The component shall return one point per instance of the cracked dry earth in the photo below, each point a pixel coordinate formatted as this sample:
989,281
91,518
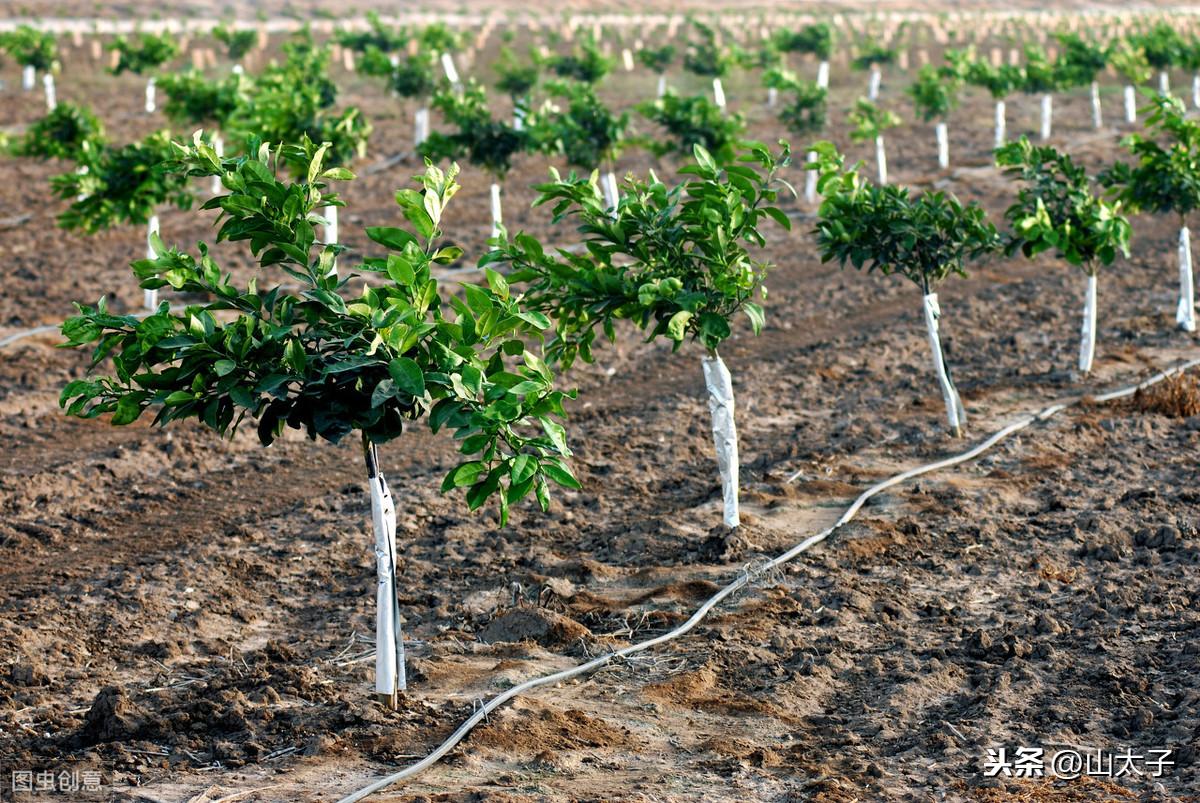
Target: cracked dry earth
196,614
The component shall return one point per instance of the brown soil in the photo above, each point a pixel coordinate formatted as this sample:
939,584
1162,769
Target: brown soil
196,614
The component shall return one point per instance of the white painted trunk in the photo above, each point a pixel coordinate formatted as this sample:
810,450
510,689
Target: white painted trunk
1097,114
219,148
150,297
956,415
1047,115
28,77
608,183
772,97
823,75
1164,82
51,94
1087,342
420,127
718,93
810,181
873,84
943,145
881,160
390,675
151,95
1185,313
720,406
1130,105
497,216
1001,124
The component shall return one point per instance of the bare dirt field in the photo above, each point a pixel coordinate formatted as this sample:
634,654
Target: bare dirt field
194,613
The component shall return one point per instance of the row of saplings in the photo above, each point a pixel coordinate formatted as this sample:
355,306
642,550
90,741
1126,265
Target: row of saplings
340,356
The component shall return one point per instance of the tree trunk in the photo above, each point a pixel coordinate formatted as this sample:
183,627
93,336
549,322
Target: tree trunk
720,406
956,415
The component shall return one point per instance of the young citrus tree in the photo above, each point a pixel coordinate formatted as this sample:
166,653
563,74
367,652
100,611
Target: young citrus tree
586,132
330,362
123,185
1131,63
1041,77
658,60
1078,65
805,108
870,121
238,41
926,239
377,36
480,138
147,51
1163,48
672,261
1057,209
690,121
412,76
705,57
585,63
69,132
1165,179
816,39
935,94
872,58
1000,82
517,80
34,50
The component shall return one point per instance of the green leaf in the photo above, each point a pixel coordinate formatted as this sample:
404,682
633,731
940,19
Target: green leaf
391,238
408,376
558,472
677,326
224,367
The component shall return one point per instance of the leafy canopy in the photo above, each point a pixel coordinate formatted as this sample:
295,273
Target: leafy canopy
816,39
377,36
673,261
586,132
934,93
924,238
195,100
690,121
480,139
1000,82
1162,45
122,185
1165,177
805,108
870,120
1056,208
657,59
704,56
320,359
584,63
873,55
67,132
30,47
514,78
238,41
146,51
1080,61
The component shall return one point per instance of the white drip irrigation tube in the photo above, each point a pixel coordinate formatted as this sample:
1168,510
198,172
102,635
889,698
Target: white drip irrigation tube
1097,111
745,579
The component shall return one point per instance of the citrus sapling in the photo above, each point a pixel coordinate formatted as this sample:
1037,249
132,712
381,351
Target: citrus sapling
870,121
143,53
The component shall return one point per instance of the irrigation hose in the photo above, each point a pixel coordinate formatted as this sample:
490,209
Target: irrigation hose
746,578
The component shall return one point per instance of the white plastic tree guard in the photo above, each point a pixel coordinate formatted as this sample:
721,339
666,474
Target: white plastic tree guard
28,77
1047,115
772,97
873,83
720,405
150,297
810,180
881,160
943,145
1164,82
823,75
420,127
330,213
1087,341
497,212
390,675
608,183
1130,105
662,86
218,148
1185,313
151,95
1097,114
1001,123
51,94
956,414
451,72
718,93
1196,90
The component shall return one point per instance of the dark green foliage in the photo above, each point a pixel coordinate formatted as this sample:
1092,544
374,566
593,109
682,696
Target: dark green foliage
673,261
704,56
193,99
924,238
146,51
1162,45
69,132
690,121
238,41
584,63
481,139
586,132
934,93
1079,62
873,56
122,185
30,47
377,36
657,59
1057,209
816,39
324,360
1165,178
